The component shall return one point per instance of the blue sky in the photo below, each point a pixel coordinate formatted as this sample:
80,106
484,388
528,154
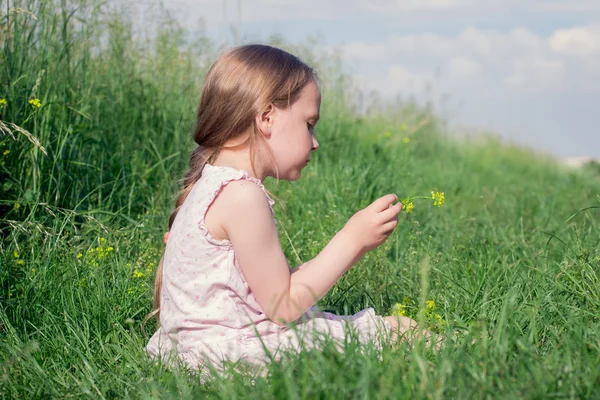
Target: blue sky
528,70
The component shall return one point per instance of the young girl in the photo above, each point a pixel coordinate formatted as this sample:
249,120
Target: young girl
224,290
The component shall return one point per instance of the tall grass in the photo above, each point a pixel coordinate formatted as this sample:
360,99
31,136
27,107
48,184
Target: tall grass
87,183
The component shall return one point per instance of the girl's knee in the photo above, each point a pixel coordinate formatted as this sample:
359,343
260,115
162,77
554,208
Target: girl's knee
392,320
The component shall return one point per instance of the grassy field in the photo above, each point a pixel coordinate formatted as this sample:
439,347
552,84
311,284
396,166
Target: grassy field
96,133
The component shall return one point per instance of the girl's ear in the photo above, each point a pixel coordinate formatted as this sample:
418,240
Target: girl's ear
264,120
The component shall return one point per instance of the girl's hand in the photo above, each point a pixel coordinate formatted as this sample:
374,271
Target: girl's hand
371,226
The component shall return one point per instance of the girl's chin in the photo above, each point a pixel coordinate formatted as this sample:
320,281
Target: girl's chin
291,176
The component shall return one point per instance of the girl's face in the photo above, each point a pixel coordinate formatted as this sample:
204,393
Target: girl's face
292,135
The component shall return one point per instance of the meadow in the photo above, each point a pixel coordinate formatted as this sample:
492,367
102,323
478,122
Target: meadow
96,120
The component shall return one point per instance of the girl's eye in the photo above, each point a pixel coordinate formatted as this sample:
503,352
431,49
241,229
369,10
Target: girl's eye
310,126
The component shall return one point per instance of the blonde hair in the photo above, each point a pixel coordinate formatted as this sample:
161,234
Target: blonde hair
242,83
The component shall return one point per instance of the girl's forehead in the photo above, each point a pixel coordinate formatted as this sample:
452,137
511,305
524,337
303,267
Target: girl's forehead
313,89
311,94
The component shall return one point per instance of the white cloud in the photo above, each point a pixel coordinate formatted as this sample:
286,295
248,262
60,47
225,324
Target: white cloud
400,76
582,41
460,67
386,6
232,12
537,74
519,60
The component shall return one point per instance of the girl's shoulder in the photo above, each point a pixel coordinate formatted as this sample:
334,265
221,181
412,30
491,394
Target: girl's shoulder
236,197
216,178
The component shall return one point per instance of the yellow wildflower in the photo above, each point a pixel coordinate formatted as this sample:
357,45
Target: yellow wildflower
438,198
16,206
16,254
138,274
33,270
430,305
399,310
3,102
35,103
409,207
405,139
403,127
6,152
388,134
79,255
20,262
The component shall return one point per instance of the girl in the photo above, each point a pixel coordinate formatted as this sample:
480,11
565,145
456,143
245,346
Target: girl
224,290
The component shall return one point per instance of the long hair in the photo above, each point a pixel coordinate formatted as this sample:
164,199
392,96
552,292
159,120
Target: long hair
242,83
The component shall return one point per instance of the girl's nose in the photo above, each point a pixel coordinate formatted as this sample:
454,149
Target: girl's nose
315,143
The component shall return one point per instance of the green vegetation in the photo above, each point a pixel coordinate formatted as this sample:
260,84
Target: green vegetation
96,132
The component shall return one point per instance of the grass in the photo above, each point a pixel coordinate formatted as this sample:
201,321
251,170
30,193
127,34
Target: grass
88,181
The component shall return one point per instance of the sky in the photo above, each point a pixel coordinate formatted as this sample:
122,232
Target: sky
528,70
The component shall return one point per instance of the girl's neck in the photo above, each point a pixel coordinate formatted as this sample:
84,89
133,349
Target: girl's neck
240,159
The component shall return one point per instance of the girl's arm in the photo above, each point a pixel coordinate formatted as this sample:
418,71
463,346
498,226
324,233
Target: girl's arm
245,215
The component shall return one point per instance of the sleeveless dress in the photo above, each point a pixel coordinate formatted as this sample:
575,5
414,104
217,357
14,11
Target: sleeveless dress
207,310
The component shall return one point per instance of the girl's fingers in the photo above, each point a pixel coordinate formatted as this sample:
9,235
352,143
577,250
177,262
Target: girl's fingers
383,203
389,227
391,213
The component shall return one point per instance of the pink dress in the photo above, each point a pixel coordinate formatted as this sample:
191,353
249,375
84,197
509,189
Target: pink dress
208,312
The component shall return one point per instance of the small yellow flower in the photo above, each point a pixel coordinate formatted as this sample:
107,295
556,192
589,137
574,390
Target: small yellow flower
388,134
35,103
131,290
405,139
20,262
79,255
409,207
16,254
16,206
403,127
399,310
438,198
3,102
33,270
438,319
138,274
430,305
